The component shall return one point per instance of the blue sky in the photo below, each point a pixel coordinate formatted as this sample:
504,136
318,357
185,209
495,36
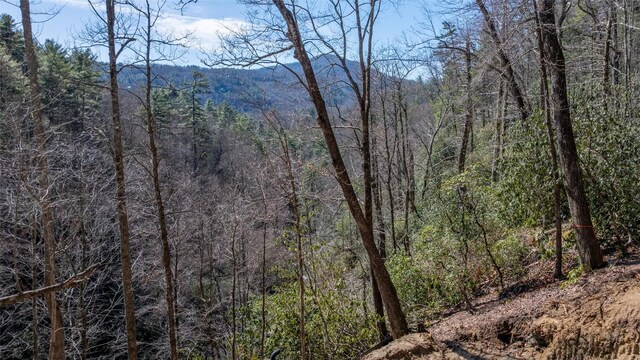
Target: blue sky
205,19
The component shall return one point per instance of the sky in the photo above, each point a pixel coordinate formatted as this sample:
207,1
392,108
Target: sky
205,19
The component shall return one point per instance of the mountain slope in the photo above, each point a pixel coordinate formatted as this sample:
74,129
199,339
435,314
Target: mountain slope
595,318
250,89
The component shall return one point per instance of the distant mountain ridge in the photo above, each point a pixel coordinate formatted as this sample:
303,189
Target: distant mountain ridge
249,90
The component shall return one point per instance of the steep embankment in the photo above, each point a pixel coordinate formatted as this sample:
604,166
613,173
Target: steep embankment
598,317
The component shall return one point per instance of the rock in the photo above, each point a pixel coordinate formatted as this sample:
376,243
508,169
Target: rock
543,331
409,347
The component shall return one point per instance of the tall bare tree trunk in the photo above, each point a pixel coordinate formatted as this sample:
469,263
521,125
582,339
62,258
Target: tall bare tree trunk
294,203
118,159
263,305
364,98
194,146
84,325
380,231
615,61
396,316
234,282
157,190
294,206
176,263
34,302
555,173
389,188
588,246
606,82
505,61
298,229
501,106
56,345
468,122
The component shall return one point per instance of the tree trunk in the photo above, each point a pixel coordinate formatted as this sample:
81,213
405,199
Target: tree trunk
588,246
234,282
397,319
84,325
118,159
497,151
263,305
389,188
468,122
56,345
194,145
606,82
369,183
403,169
176,264
615,61
155,178
505,61
34,303
295,205
555,173
380,231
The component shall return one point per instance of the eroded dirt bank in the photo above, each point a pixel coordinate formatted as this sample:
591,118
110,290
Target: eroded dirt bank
598,317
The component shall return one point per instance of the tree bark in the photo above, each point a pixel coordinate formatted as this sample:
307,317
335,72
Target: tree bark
118,159
73,281
588,246
468,122
263,305
234,282
56,345
294,203
364,97
155,178
389,168
505,62
397,318
380,231
555,173
615,46
606,82
501,106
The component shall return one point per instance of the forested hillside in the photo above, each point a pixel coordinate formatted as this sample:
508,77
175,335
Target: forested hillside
247,90
310,188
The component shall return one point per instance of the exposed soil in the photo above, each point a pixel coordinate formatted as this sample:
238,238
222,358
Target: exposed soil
597,317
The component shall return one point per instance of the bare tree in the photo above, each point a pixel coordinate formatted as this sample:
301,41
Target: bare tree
282,32
588,246
387,289
290,186
118,159
73,281
555,173
468,122
505,62
154,42
56,345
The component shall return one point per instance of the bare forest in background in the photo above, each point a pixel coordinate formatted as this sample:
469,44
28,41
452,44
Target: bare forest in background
310,188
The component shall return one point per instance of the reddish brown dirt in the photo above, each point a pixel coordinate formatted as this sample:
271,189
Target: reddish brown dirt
597,317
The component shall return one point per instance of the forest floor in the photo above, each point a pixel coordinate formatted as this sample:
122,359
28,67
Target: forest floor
596,316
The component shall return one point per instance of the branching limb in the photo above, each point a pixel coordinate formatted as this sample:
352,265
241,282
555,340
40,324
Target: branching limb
73,281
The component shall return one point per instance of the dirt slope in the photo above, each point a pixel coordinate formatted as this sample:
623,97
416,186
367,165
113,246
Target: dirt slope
596,318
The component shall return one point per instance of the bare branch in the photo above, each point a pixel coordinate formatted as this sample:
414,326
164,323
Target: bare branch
73,281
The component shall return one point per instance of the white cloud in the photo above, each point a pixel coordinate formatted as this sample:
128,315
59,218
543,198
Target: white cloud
205,31
77,3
